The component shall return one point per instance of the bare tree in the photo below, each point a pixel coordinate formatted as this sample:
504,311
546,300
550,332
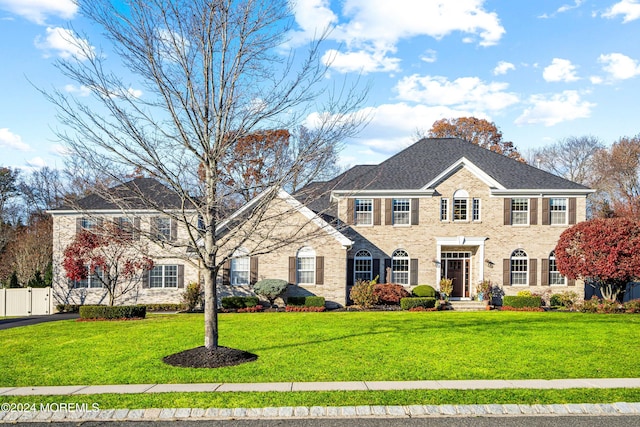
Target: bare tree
571,158
213,72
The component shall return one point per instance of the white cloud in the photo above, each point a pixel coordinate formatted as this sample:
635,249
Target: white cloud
78,90
503,67
549,110
393,126
362,61
12,141
429,56
560,70
65,43
465,92
372,28
564,8
38,10
619,66
136,93
60,150
36,162
630,9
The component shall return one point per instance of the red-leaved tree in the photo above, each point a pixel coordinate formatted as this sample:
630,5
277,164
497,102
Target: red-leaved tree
604,250
109,255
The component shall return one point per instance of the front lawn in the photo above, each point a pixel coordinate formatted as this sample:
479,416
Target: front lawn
338,346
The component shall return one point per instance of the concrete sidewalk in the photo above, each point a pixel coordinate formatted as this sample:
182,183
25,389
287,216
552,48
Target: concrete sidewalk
323,386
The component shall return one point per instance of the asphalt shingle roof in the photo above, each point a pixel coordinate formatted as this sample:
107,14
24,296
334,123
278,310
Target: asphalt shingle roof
139,193
420,163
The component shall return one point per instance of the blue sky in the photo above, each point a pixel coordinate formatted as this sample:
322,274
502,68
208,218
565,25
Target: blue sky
541,70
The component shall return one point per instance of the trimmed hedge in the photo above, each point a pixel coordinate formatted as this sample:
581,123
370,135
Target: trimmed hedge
308,301
424,291
236,302
412,302
113,312
522,301
75,308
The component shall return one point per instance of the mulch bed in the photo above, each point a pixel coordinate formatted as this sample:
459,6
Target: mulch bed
200,357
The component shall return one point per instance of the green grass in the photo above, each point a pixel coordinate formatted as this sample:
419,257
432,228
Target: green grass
338,398
328,347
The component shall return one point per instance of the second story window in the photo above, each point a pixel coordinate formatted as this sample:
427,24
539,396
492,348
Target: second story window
89,224
444,209
475,210
364,211
163,228
519,211
558,211
460,205
401,212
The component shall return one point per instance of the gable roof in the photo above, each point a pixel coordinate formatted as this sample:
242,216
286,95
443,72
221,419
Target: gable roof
423,162
134,194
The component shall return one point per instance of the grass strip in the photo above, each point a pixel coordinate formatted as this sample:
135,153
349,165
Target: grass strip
339,398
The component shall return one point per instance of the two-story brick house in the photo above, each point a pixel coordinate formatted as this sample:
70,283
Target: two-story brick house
439,208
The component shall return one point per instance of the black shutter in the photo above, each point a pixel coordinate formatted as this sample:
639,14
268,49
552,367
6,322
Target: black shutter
388,211
415,211
507,211
533,211
319,270
226,272
180,276
253,270
292,270
350,272
376,269
506,272
413,272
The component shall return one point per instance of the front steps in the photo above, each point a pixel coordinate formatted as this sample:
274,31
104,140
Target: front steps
467,305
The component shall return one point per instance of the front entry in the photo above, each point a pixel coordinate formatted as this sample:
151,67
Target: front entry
458,271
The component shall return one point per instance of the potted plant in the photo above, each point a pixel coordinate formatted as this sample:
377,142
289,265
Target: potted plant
446,287
483,290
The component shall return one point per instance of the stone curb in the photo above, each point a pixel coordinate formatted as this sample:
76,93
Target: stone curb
412,411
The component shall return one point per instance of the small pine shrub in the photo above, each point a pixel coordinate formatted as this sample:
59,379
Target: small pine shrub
555,300
113,312
390,294
424,302
270,288
522,301
192,296
425,291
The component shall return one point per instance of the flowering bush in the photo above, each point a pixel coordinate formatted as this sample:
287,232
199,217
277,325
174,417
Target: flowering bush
298,308
391,294
632,306
484,288
446,286
602,306
254,309
510,308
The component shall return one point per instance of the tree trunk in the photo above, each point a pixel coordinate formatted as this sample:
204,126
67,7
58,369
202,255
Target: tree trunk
210,309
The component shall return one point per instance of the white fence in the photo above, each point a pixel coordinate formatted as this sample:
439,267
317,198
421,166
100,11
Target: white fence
26,302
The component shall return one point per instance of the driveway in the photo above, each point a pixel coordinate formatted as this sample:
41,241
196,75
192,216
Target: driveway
32,320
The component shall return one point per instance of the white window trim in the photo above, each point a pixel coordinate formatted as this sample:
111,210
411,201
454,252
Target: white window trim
444,202
240,255
89,280
527,211
526,273
552,256
463,196
393,213
402,258
360,258
161,235
473,202
566,211
306,253
355,213
164,276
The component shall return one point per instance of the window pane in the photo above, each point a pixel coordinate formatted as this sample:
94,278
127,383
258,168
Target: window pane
558,211
555,278
401,208
400,267
240,271
364,211
170,276
444,209
520,211
164,228
155,277
476,210
306,270
459,209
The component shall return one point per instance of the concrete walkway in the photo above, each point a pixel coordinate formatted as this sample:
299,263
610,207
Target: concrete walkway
72,390
29,410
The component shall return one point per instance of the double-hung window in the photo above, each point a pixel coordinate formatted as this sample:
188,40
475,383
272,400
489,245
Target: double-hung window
400,267
163,229
92,281
444,209
555,278
163,276
240,268
475,210
364,211
401,212
519,211
306,266
558,211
